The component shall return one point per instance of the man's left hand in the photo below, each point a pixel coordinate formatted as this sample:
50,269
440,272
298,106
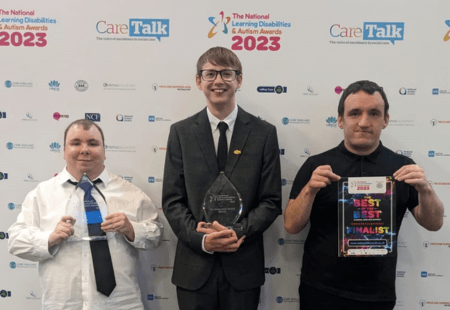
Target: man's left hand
118,222
413,175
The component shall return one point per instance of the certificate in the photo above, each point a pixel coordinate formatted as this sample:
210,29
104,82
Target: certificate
366,218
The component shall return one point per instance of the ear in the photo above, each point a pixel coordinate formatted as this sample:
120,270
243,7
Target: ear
198,81
386,121
340,122
239,80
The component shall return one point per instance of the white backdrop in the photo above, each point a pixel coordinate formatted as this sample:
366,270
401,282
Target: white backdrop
131,66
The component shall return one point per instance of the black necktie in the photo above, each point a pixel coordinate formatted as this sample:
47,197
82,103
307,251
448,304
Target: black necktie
222,149
101,257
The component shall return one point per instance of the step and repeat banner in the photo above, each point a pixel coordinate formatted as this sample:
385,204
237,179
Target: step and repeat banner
130,66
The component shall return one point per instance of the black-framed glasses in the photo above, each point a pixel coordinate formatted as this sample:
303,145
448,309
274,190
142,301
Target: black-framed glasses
227,75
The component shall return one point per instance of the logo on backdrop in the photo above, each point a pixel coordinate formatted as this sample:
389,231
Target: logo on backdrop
54,85
3,235
3,176
338,90
332,121
407,91
9,84
2,115
272,89
447,35
310,91
370,33
437,91
4,293
137,29
296,121
249,31
124,118
81,85
57,116
94,117
55,147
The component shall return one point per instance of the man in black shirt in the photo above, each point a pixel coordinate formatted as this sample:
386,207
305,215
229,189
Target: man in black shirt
329,281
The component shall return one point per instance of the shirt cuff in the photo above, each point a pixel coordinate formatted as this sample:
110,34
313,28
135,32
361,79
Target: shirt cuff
203,246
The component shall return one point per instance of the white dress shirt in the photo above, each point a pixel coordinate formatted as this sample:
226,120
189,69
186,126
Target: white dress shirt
66,270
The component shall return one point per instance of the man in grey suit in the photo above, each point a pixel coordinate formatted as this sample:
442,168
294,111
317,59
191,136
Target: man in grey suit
214,267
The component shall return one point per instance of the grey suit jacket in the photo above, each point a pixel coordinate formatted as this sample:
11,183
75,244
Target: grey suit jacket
191,168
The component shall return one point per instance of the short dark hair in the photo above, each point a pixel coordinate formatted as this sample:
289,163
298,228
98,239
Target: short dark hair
86,126
219,56
366,86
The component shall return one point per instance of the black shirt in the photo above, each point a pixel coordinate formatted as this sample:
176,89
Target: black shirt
366,278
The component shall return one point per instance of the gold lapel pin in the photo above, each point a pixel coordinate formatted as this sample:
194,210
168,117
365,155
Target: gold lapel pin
237,152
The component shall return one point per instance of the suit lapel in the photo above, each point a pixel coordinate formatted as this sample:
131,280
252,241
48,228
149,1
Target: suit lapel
202,131
238,140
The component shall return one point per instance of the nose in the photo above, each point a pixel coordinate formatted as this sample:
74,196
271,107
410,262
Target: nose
85,148
364,120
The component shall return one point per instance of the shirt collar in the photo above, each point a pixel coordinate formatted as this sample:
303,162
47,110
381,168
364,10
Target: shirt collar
65,175
230,119
351,157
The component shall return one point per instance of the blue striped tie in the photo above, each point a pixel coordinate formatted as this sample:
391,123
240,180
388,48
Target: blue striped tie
101,257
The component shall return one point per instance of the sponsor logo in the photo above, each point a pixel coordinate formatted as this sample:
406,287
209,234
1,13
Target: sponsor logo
282,151
155,297
3,235
423,274
447,35
4,293
12,265
11,206
283,182
57,116
401,122
310,92
331,121
370,33
29,117
153,118
282,241
54,85
94,117
404,153
9,84
30,178
272,89
434,122
401,274
3,176
280,299
433,153
154,180
156,148
124,118
137,29
120,148
81,85
407,91
297,121
338,90
272,270
116,86
438,91
155,87
2,115
11,146
55,147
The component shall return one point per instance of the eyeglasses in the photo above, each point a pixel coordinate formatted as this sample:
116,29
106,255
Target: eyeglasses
227,75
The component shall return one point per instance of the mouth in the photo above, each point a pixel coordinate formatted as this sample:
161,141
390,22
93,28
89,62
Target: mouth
218,91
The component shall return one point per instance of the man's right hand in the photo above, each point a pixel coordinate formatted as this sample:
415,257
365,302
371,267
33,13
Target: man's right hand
63,230
219,238
321,177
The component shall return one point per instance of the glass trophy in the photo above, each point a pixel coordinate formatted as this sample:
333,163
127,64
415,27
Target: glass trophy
75,208
222,202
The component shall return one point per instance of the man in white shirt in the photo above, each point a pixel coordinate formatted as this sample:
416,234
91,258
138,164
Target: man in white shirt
52,228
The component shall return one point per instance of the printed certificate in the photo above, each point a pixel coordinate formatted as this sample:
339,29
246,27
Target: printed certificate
366,219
